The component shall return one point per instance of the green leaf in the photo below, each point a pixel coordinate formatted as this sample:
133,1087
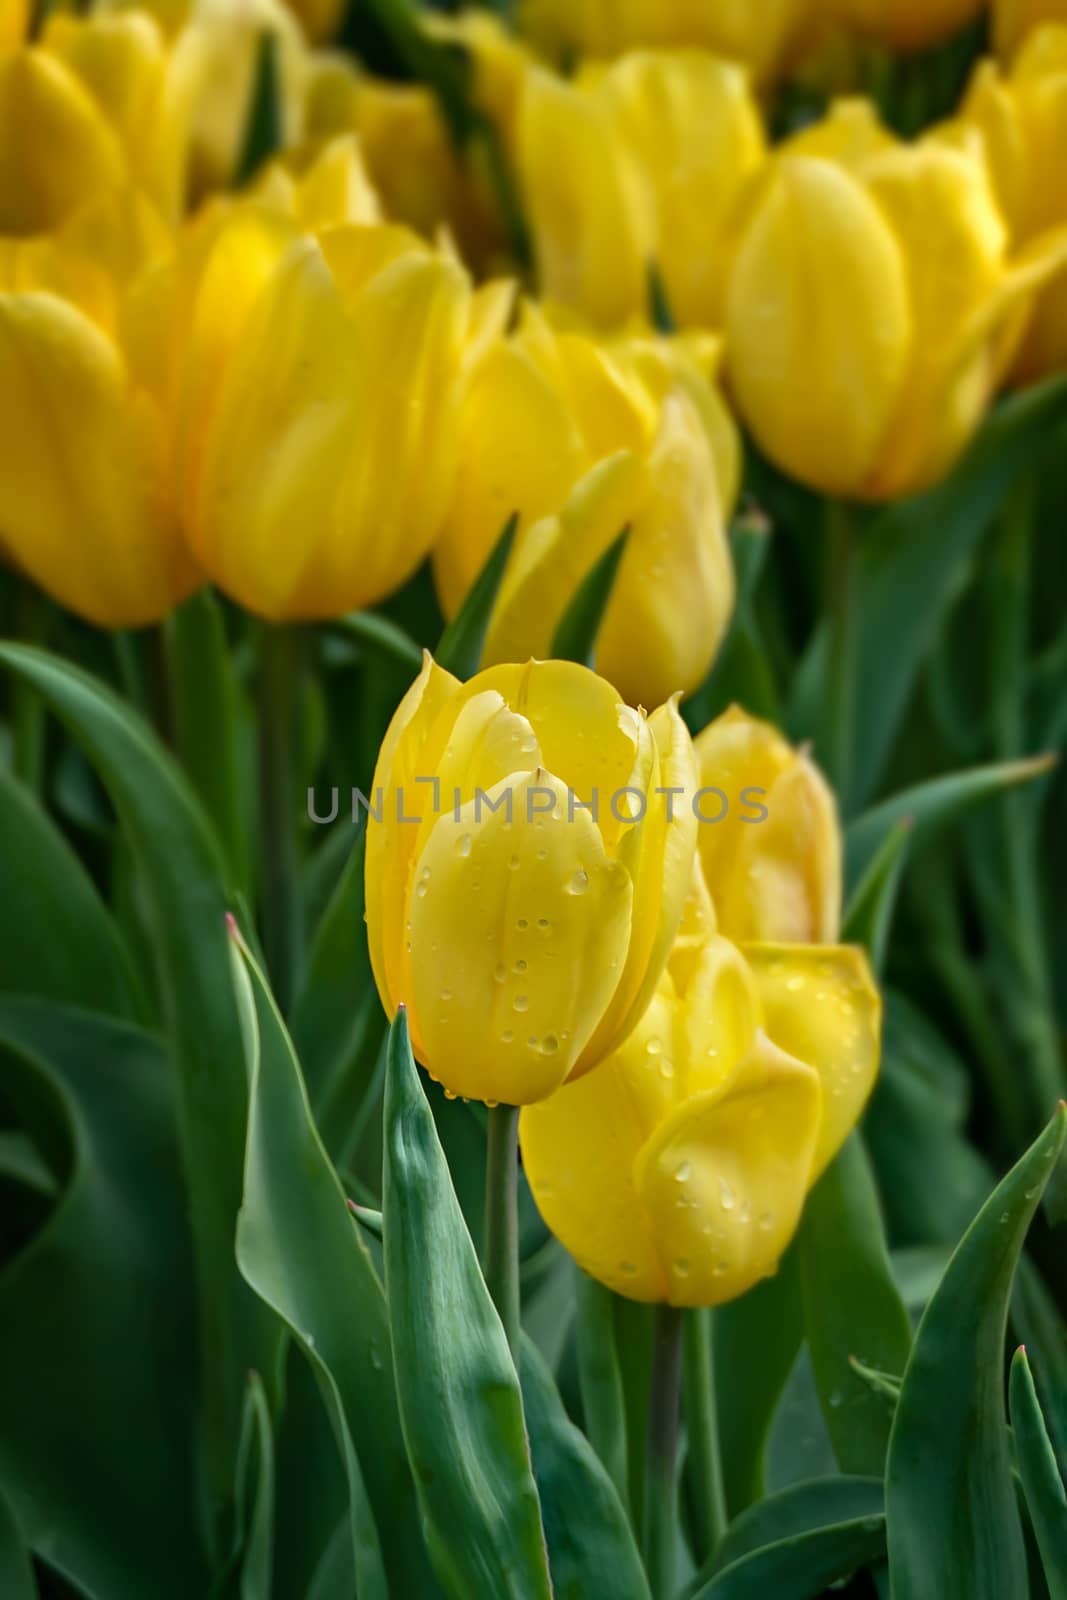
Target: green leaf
184,878
852,1306
758,1336
803,1508
97,1330
911,561
1046,1500
592,1552
576,632
1038,1322
603,1402
869,913
381,636
459,649
254,1494
264,129
456,1384
302,1253
797,1544
204,704
57,939
16,1569
933,805
337,1019
954,1530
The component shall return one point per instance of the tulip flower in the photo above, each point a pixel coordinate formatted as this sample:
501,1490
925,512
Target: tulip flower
871,303
586,439
677,1171
762,36
83,507
525,915
309,390
903,24
773,859
1022,117
636,164
14,23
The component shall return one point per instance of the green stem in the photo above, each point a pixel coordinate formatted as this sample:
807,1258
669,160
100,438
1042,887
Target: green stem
840,687
204,712
702,1432
280,906
27,707
502,1219
660,1529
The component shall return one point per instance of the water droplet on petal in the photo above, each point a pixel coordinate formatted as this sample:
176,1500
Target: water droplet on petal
727,1198
520,966
507,1036
682,1172
521,1002
500,972
654,1047
549,1044
766,1222
463,844
681,1267
450,1094
579,882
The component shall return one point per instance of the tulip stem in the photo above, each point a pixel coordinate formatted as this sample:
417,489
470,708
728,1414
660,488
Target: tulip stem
502,1219
840,689
702,1430
279,893
661,1477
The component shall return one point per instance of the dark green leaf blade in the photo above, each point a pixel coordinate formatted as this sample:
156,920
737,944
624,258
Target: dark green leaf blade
57,939
911,559
852,1307
802,1508
1046,1500
458,1390
803,1566
302,1253
592,1551
933,805
16,1570
184,875
869,913
97,1329
459,649
954,1530
576,632
603,1402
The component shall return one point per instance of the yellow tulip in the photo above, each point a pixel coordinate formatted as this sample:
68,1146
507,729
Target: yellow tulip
524,933
14,23
870,302
320,19
761,36
309,388
637,164
677,1171
1022,117
83,507
1013,19
584,440
775,878
903,24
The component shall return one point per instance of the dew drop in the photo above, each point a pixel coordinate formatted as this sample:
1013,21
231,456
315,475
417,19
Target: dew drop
766,1222
500,972
681,1267
549,1044
522,923
491,1105
463,844
544,924
520,966
666,1068
727,1198
745,1213
514,863
682,1172
654,1047
521,1002
450,1094
507,1036
423,884
579,882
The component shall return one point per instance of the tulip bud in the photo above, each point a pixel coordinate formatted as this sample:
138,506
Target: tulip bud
586,439
773,861
903,24
525,914
642,162
677,1171
83,505
875,270
57,147
1022,119
309,391
762,36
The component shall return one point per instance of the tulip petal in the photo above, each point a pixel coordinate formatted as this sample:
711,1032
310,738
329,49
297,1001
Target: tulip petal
723,1179
719,1013
79,496
522,928
56,147
818,324
390,842
579,1150
821,1005
590,217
